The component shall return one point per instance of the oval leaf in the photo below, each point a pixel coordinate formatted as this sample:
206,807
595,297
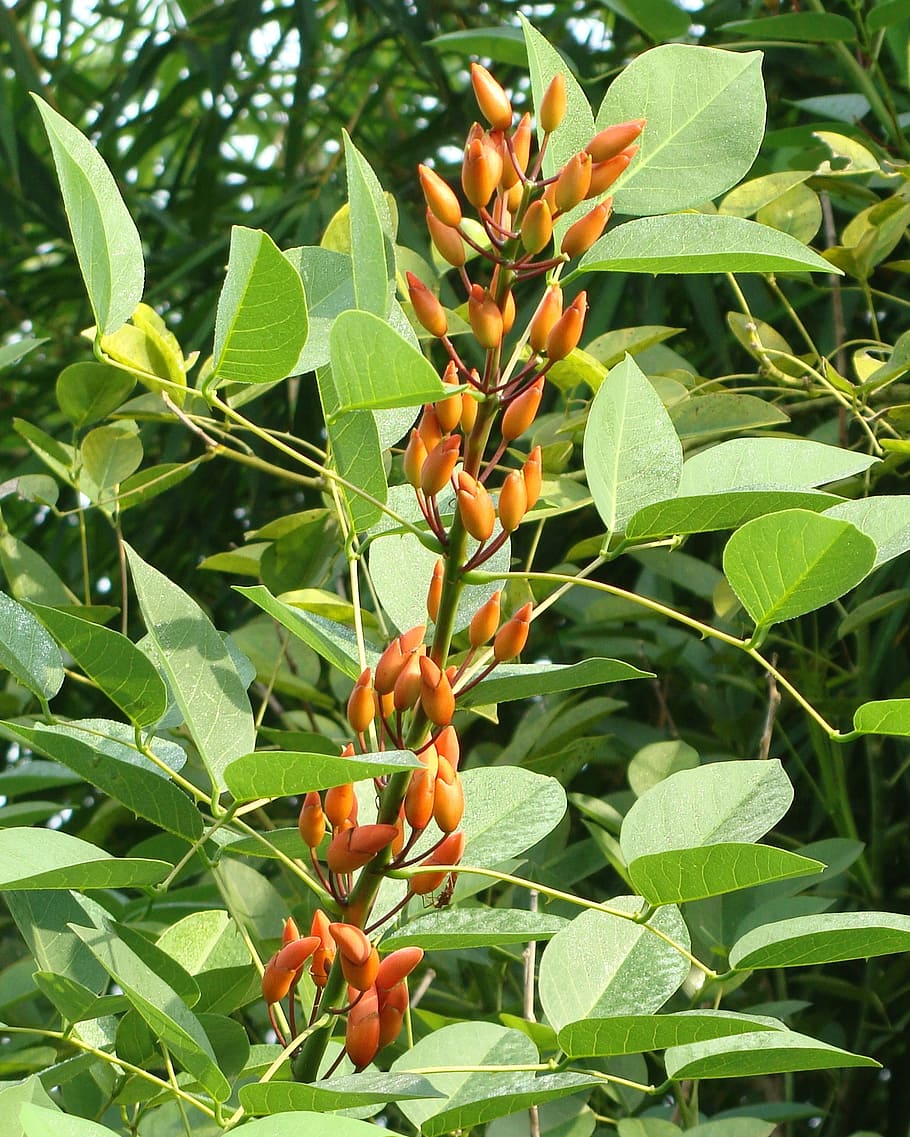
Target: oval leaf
884,716
826,938
710,512
339,1093
27,651
693,874
47,858
507,810
769,463
751,1055
634,1034
277,773
473,927
530,680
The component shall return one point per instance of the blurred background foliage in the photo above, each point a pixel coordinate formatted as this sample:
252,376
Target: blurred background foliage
214,114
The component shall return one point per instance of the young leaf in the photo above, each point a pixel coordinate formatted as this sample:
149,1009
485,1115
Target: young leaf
27,651
705,112
372,235
356,453
796,27
104,236
826,938
632,453
36,1121
883,716
617,967
789,563
48,858
460,928
302,1123
634,1034
697,243
752,1055
261,325
199,668
88,392
109,455
713,804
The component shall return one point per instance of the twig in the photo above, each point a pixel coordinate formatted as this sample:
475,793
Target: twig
764,746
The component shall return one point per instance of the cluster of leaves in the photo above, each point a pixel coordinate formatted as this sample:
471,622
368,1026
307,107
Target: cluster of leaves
812,519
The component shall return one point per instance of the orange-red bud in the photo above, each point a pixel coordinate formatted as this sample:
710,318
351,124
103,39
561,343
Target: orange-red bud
521,148
276,981
574,181
340,804
566,332
325,953
448,411
415,455
491,98
428,428
290,931
448,241
440,197
427,308
393,1006
532,474
475,507
436,696
537,226
350,849
447,746
468,412
513,501
610,142
434,593
395,656
485,621
448,801
548,312
398,840
440,465
352,942
421,791
604,174
407,686
397,966
295,954
362,1033
311,822
522,411
480,173
508,312
553,105
513,635
485,317
582,235
362,703
448,852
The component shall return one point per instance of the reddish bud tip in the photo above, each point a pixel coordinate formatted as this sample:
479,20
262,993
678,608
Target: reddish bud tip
574,181
427,308
582,235
614,139
475,507
434,593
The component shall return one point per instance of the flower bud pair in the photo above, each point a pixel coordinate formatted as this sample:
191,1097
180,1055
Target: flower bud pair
352,848
449,851
359,958
475,507
285,967
395,656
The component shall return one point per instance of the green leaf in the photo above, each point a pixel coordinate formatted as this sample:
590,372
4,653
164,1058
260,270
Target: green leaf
697,243
796,27
506,45
658,19
88,392
886,520
617,967
106,241
356,452
162,1008
754,1055
657,761
335,642
747,199
612,347
632,454
528,680
199,669
634,1034
789,563
13,352
37,1121
706,117
373,367
278,773
883,716
109,455
458,928
261,324
768,463
48,858
302,1123
118,770
723,413
710,512
147,484
29,575
826,938
328,280
682,875
718,803
886,14
797,212
372,235
369,1088
507,810
127,676
27,651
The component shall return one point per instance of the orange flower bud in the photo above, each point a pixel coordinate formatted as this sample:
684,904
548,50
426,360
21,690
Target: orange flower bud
522,411
395,657
427,308
604,174
350,849
531,472
276,981
521,148
513,197
354,946
398,840
513,501
574,181
421,791
362,703
311,822
553,105
448,241
362,1033
485,621
340,803
508,312
468,412
447,746
407,686
582,235
393,1006
415,455
485,317
566,332
548,312
290,931
440,197
448,411
537,226
448,852
491,98
440,465
436,695
429,429
448,801
434,594
513,635
549,196
396,967
295,954
325,953
480,173
610,142
475,506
